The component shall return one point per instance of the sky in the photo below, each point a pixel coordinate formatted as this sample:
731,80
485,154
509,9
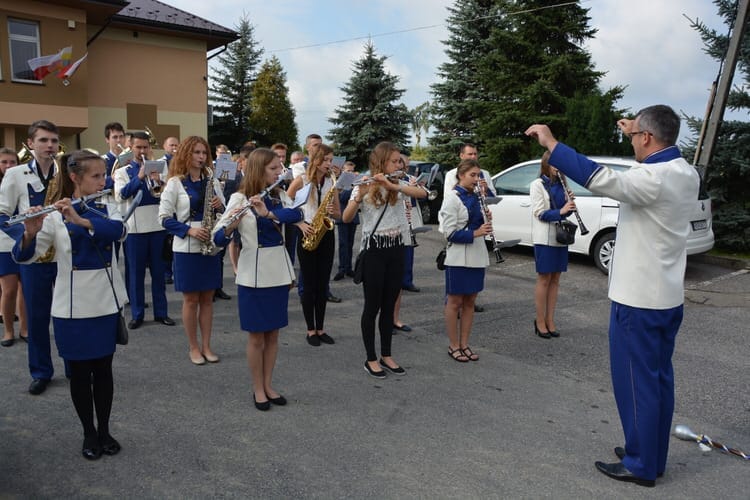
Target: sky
647,46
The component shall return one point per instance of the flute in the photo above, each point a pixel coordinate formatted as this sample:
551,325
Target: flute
241,213
394,175
18,219
566,190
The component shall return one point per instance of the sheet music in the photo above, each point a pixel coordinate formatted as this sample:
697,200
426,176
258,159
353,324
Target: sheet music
302,195
151,166
346,179
125,158
338,161
226,169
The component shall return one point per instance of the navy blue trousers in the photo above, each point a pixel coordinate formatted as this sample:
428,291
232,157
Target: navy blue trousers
38,281
408,279
346,245
641,343
144,250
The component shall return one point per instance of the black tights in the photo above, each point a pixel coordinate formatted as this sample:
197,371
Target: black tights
383,272
316,267
86,375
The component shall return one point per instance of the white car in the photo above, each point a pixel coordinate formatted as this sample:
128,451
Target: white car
511,217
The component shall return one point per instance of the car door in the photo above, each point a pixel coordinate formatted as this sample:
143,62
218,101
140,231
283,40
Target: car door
511,217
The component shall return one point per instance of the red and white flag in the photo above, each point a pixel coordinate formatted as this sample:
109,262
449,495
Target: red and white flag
44,65
72,68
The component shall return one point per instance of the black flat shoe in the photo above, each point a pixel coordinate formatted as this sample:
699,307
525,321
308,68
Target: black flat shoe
478,308
411,288
619,472
544,335
326,339
379,374
313,340
620,452
403,328
166,320
221,294
263,406
8,342
334,299
110,446
280,401
339,276
135,323
91,449
38,386
24,338
396,371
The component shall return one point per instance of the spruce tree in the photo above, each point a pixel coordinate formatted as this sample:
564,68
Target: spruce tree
272,115
232,86
453,117
370,112
726,175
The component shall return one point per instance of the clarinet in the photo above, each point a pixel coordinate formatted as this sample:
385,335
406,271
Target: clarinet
566,190
485,211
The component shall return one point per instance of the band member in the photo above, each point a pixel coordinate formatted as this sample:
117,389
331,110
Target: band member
26,186
462,223
85,314
384,231
265,269
169,146
230,187
145,234
315,265
114,133
655,198
9,272
347,231
189,196
548,205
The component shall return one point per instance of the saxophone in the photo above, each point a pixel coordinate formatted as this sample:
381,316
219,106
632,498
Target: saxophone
49,255
321,223
209,217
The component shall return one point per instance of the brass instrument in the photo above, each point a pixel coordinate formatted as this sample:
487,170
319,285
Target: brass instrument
321,223
24,154
568,197
151,137
154,187
209,216
49,255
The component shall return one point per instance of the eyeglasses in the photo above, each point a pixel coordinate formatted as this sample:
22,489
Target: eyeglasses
631,134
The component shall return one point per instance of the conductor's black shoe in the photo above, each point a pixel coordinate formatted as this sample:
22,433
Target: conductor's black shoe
221,294
478,308
166,320
135,323
620,452
333,298
339,276
410,288
38,386
619,472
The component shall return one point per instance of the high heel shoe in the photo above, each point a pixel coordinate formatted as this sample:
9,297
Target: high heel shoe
544,335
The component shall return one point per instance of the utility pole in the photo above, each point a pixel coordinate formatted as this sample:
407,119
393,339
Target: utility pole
720,90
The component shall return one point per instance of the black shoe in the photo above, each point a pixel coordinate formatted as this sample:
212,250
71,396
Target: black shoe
264,406
24,338
166,320
109,445
8,342
333,298
280,401
91,450
553,334
135,323
221,294
620,452
544,335
380,374
339,276
169,281
325,338
410,288
350,274
621,473
396,371
403,328
478,308
38,386
313,340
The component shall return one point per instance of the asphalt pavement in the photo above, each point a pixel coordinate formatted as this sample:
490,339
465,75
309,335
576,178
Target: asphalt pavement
527,420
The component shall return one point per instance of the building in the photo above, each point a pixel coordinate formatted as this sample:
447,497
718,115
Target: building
146,67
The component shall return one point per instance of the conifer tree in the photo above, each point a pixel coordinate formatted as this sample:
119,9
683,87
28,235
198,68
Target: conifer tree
272,114
370,112
232,86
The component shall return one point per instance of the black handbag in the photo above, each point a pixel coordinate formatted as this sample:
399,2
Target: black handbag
359,264
565,231
440,259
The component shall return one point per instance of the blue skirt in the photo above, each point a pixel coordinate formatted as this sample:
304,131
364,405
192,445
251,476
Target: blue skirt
551,259
263,309
80,339
463,280
195,272
8,265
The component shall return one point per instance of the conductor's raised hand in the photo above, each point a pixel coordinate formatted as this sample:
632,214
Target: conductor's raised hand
626,125
543,134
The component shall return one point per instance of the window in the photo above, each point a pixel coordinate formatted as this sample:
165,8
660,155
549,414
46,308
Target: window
23,37
516,181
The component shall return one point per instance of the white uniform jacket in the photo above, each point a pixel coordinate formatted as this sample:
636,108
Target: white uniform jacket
453,216
657,198
20,183
145,218
82,288
258,266
175,202
542,233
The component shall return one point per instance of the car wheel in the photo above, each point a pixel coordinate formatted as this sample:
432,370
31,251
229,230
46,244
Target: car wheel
603,251
426,210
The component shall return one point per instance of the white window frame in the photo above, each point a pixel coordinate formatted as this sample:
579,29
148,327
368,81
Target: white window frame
22,38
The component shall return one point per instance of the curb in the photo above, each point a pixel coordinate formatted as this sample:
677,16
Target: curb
734,263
